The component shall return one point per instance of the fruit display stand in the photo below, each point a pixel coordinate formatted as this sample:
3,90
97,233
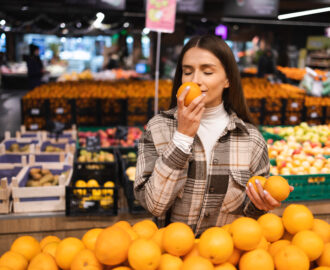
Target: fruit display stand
51,146
8,173
46,195
18,146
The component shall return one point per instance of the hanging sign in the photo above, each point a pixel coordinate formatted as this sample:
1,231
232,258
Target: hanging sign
160,15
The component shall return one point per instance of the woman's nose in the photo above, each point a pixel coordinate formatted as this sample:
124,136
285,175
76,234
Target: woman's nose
197,78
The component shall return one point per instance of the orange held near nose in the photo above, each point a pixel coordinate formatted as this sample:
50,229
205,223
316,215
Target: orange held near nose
193,93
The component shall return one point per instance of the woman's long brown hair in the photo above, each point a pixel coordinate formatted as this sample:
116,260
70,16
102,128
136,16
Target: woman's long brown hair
233,96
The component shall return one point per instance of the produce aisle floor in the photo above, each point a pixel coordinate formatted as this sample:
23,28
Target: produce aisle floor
10,110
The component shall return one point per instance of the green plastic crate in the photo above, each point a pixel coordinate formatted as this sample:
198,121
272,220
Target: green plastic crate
268,135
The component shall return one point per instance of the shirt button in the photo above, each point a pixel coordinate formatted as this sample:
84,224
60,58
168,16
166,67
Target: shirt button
215,161
207,214
211,190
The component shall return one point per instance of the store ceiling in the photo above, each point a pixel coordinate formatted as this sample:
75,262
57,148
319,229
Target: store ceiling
46,15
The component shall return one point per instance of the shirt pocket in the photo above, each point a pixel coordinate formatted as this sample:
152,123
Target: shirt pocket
233,202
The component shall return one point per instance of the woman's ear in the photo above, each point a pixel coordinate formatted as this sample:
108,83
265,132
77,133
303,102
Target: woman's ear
226,83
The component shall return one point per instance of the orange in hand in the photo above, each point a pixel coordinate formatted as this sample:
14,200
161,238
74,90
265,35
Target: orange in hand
278,187
193,93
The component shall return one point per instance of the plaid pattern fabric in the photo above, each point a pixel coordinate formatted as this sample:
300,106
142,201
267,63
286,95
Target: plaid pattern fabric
168,179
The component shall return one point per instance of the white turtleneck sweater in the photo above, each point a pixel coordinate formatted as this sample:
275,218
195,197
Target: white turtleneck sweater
214,121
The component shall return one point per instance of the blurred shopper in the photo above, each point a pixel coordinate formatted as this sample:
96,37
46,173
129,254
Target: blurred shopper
113,62
194,161
266,64
35,67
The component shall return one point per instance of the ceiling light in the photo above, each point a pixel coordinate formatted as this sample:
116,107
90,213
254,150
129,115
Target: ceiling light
25,8
203,20
2,22
126,24
78,24
303,13
62,25
65,31
146,31
63,39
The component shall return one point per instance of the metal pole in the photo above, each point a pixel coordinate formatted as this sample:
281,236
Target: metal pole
157,71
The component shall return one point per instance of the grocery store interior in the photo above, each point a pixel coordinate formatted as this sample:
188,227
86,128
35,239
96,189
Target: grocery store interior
79,81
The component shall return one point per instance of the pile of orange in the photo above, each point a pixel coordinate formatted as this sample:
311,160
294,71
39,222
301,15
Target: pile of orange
294,241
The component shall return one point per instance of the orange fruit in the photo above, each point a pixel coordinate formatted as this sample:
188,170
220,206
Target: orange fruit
322,228
123,224
216,245
158,238
14,260
278,187
43,261
85,260
246,233
226,227
197,263
272,226
310,242
27,245
111,247
291,258
178,239
168,261
263,244
50,248
277,246
225,266
235,256
5,268
193,252
89,238
122,268
257,259
145,228
261,179
144,254
193,93
66,250
324,259
48,239
297,217
317,268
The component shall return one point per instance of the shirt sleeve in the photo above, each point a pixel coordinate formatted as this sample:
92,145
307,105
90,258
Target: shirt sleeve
183,142
259,166
159,177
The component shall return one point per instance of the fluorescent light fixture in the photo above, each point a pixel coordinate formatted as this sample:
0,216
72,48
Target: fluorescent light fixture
99,18
2,22
303,13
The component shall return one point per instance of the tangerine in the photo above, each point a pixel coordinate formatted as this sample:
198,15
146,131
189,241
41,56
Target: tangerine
258,259
43,261
297,217
310,242
262,180
197,263
50,248
272,226
145,228
85,260
26,245
66,250
158,238
322,228
277,246
225,266
291,258
168,261
13,260
48,239
278,187
324,259
89,238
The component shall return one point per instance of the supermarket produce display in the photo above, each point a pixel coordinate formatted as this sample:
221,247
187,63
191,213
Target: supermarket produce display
297,240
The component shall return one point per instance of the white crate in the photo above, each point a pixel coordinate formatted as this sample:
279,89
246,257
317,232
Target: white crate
7,160
4,196
64,158
40,195
31,148
68,147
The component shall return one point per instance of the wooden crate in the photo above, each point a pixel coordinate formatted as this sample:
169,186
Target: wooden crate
5,145
66,147
49,158
4,196
40,199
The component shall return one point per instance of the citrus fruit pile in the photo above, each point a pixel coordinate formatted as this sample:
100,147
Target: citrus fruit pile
296,241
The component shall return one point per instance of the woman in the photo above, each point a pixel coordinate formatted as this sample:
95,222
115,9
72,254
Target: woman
194,162
35,67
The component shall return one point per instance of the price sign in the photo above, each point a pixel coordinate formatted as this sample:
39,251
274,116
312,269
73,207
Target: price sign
93,144
35,111
60,110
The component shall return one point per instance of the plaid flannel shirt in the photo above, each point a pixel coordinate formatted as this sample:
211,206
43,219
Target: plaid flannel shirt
171,181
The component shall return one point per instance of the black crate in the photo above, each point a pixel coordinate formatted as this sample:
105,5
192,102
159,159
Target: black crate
93,200
114,112
128,185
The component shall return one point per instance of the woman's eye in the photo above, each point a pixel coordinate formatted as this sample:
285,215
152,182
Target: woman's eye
208,73
187,73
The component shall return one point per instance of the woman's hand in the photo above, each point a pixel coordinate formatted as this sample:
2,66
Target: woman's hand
189,116
262,199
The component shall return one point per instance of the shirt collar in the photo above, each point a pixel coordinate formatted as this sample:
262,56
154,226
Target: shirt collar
234,120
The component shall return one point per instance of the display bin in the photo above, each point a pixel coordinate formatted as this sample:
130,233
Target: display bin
137,105
267,135
14,159
67,136
25,146
34,107
257,117
256,105
87,111
40,158
114,112
53,147
8,172
93,200
309,187
294,104
125,162
137,120
62,110
28,199
163,105
293,118
273,118
34,123
274,105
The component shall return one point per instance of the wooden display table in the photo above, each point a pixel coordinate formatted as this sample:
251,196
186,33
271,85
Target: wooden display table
40,225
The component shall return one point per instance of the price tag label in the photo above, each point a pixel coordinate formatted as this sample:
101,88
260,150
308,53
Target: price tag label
35,111
293,118
274,118
93,144
60,110
314,115
294,105
34,126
